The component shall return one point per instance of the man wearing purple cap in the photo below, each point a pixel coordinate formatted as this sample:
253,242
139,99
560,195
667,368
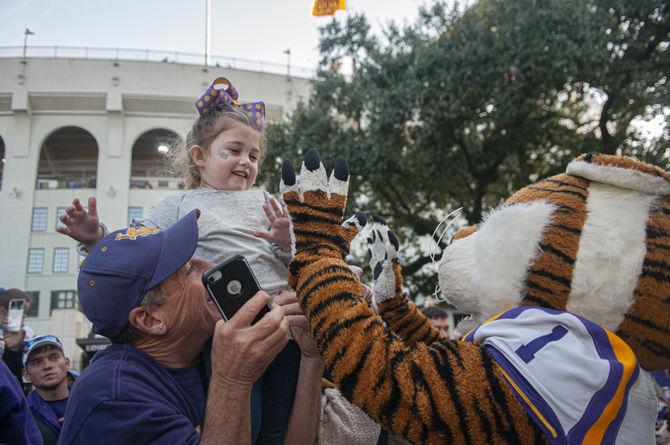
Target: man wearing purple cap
141,288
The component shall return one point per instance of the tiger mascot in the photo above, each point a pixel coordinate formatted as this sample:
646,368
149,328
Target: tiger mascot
569,285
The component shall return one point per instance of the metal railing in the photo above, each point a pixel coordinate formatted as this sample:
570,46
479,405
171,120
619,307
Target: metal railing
152,55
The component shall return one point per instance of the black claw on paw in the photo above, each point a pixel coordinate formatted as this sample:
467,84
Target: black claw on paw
394,240
378,219
312,159
288,173
378,270
362,218
341,170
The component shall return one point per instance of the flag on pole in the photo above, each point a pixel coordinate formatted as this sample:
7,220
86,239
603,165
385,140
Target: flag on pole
327,7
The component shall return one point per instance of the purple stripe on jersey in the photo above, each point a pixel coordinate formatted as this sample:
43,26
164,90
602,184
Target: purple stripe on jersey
613,429
602,397
533,396
509,315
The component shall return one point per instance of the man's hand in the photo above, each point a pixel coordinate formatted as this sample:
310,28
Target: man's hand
358,271
298,325
14,340
81,225
241,351
280,225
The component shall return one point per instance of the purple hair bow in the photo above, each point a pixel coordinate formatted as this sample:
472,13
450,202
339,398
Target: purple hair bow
222,95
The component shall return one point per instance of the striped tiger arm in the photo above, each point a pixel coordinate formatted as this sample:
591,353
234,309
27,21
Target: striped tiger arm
406,320
401,316
445,392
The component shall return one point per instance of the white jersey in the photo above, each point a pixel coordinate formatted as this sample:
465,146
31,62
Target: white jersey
579,382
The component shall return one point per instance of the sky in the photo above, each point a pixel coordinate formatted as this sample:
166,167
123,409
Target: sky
248,29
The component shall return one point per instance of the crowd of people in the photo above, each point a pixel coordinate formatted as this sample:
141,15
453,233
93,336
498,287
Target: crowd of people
176,372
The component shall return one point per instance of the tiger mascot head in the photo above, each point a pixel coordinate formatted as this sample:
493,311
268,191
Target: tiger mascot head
594,241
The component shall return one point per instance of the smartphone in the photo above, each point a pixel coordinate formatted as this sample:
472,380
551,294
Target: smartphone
15,315
231,284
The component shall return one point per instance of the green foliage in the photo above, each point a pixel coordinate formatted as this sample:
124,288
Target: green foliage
467,105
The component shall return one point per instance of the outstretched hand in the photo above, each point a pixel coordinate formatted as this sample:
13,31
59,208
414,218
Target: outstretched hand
280,225
81,225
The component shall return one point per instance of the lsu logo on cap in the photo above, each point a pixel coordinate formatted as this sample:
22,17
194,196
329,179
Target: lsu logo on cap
133,233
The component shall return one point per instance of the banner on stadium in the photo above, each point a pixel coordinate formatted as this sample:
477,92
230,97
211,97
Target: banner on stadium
327,7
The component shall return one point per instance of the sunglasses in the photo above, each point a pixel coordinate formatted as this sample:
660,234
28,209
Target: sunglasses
30,343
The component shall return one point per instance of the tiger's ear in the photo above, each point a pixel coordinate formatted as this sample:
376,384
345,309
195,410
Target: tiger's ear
465,231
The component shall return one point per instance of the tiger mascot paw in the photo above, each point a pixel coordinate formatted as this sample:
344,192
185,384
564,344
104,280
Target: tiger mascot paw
316,206
383,249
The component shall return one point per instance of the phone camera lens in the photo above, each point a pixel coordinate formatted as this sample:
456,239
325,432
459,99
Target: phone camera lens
234,287
216,276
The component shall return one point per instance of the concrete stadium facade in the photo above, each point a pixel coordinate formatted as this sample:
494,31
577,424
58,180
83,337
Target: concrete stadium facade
69,128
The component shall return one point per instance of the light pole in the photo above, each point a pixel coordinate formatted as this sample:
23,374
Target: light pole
208,26
26,33
288,61
289,92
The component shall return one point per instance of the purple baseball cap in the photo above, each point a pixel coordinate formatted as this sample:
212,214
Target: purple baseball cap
126,264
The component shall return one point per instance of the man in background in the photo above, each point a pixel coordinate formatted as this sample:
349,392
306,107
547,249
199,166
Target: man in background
46,367
439,319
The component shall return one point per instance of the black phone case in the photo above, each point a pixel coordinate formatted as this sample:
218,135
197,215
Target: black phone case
222,288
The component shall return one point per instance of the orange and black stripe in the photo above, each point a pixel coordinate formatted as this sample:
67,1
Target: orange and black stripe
646,325
548,283
403,318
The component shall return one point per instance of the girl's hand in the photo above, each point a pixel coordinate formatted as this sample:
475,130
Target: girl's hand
81,225
280,225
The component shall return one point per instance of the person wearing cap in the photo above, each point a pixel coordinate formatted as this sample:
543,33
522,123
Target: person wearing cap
46,367
72,376
141,288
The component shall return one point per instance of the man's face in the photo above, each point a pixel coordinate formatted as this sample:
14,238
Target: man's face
441,324
47,367
189,310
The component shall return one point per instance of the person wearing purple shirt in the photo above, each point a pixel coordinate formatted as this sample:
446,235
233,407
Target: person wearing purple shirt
142,289
17,426
46,367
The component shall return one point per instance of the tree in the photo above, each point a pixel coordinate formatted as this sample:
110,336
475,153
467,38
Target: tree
469,104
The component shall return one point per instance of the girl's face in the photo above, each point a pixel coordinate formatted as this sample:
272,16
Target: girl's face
231,163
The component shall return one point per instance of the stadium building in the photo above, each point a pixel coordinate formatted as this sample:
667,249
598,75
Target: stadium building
76,126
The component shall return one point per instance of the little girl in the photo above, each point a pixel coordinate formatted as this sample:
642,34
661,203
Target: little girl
219,164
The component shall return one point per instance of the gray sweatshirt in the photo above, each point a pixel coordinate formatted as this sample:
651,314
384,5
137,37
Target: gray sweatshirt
226,225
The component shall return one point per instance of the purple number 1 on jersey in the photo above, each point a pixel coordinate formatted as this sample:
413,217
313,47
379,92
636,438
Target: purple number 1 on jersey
527,352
